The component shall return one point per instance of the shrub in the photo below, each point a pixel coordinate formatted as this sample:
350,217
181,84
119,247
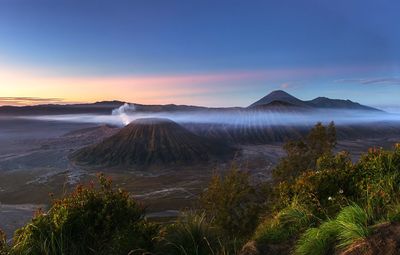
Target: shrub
351,225
302,155
88,221
284,226
323,191
3,243
231,204
378,179
191,234
318,241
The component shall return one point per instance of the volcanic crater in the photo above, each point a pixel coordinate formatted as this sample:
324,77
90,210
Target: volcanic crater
149,141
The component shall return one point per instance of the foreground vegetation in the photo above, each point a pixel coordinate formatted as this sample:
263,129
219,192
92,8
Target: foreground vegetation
318,202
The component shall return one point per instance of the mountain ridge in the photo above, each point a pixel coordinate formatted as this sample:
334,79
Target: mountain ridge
317,103
269,102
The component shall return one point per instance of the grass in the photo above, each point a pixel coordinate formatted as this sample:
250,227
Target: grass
3,243
284,225
351,225
318,241
105,220
191,235
90,220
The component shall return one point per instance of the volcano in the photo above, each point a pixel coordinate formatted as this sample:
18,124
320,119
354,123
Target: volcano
279,97
151,141
280,100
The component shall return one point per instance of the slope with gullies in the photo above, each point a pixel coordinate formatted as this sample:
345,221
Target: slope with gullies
151,141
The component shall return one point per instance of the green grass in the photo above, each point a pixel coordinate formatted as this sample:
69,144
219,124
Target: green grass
90,220
353,225
350,225
3,243
191,235
318,241
284,225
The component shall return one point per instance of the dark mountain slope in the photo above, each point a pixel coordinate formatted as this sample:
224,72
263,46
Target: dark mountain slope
289,101
151,141
281,96
324,102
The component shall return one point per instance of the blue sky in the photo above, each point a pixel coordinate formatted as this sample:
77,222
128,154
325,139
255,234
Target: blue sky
340,49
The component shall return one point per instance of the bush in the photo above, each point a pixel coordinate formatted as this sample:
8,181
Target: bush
302,155
88,221
3,243
323,191
231,203
318,241
191,234
374,182
284,226
351,225
378,179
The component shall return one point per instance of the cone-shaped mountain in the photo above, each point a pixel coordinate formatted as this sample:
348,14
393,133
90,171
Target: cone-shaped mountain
151,141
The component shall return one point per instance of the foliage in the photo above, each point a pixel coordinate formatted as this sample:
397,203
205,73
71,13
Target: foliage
351,225
284,225
356,195
378,179
3,243
191,234
88,221
231,204
318,241
303,154
319,203
324,191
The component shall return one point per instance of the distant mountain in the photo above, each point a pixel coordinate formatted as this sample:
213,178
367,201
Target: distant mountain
104,107
324,102
151,141
275,101
282,98
279,96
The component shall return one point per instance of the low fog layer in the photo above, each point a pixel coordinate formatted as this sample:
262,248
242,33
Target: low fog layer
127,113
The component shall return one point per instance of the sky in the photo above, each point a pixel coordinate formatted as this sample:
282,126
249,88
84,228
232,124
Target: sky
211,53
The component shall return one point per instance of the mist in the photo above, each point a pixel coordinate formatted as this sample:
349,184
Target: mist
233,117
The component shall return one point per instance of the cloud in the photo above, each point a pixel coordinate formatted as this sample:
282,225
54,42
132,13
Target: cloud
290,84
28,100
373,81
285,85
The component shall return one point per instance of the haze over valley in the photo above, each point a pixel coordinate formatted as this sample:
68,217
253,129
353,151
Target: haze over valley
164,154
199,127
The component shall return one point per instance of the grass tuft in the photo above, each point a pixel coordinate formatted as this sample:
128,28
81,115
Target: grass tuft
353,225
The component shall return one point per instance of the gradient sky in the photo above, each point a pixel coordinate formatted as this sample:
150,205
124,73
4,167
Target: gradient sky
213,53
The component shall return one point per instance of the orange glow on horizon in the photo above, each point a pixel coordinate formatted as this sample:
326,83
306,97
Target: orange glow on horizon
199,89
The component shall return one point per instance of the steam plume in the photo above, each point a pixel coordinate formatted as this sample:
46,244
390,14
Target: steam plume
123,113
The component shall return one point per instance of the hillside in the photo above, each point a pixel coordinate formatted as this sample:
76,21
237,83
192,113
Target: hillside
151,141
283,98
279,96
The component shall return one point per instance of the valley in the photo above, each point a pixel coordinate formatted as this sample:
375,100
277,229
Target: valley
162,163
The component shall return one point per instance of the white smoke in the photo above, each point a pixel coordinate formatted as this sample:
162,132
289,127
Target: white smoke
123,113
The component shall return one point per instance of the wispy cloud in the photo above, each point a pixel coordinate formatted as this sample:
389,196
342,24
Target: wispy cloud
28,100
290,84
372,81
